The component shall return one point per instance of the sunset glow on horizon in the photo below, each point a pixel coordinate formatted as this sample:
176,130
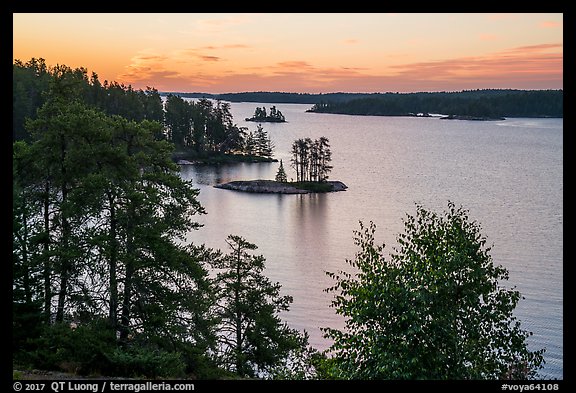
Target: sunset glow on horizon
298,52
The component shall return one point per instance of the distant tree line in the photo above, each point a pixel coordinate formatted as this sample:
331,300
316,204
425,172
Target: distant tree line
482,103
275,97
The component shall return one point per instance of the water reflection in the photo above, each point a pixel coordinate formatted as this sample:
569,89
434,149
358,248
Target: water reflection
215,174
309,216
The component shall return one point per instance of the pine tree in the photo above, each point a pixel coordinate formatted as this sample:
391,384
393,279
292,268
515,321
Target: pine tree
253,339
281,174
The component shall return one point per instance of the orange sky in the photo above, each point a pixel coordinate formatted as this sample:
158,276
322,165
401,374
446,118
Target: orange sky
298,52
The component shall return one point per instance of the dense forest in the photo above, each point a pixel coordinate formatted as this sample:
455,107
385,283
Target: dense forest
478,103
198,129
104,281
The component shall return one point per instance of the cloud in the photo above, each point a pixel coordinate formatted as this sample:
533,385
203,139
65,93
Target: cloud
209,58
528,67
142,63
549,25
534,48
513,67
294,64
351,41
200,52
146,68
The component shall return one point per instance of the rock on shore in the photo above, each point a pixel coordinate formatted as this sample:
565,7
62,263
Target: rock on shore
273,187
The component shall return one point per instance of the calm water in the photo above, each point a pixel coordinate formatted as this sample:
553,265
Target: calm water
508,174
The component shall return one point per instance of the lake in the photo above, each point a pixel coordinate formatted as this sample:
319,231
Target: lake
508,174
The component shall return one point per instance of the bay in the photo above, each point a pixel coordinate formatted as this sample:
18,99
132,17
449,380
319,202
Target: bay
508,174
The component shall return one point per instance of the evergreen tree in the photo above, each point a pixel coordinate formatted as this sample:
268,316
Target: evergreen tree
281,174
178,121
324,158
109,237
311,159
264,145
250,144
253,339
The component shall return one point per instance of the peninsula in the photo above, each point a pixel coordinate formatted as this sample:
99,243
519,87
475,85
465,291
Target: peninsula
276,187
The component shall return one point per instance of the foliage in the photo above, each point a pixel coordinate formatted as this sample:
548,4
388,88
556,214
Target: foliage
310,159
281,174
90,349
138,362
300,363
483,103
312,186
202,127
258,144
79,349
99,209
252,340
434,310
260,114
32,82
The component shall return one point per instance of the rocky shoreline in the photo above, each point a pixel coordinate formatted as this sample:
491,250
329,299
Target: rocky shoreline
467,117
274,187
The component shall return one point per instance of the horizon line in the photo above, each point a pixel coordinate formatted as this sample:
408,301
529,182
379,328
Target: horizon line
359,92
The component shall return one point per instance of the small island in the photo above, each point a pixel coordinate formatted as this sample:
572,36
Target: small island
311,161
276,187
260,115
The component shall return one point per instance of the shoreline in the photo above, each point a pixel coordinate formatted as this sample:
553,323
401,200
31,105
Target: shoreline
274,187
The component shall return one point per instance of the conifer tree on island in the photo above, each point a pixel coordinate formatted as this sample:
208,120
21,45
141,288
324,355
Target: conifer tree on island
311,159
281,174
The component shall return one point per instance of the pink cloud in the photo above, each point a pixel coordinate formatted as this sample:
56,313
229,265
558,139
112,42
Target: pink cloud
549,25
514,68
529,67
209,58
294,64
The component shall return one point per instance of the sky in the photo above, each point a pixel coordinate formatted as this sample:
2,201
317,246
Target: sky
300,52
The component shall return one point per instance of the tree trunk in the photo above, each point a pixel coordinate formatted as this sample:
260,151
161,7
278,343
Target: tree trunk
238,321
66,232
126,302
46,246
128,279
113,263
